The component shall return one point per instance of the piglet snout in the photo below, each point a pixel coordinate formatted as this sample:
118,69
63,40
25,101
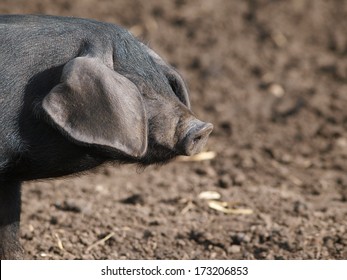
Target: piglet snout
195,138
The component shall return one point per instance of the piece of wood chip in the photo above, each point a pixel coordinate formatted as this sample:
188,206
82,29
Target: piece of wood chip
209,195
222,206
198,157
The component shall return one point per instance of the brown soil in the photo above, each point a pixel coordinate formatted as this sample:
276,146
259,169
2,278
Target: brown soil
272,77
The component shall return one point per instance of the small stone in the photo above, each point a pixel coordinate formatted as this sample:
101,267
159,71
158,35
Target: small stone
341,142
239,178
328,242
134,199
200,171
225,181
28,235
299,207
247,162
276,90
234,249
246,238
53,220
31,227
101,189
181,242
286,158
279,39
226,127
69,206
210,172
240,237
154,223
147,234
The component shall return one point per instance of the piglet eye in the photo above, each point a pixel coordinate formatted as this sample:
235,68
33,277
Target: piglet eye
178,87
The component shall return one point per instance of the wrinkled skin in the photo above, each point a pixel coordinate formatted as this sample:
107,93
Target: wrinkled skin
76,93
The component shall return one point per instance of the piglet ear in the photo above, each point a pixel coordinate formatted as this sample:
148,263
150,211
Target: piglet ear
95,105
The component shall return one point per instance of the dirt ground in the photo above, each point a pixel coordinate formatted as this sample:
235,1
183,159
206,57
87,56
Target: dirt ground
272,78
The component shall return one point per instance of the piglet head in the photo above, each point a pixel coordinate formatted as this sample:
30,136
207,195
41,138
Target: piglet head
136,106
173,129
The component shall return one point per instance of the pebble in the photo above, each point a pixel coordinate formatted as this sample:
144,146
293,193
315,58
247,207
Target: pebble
276,90
53,220
134,199
300,207
234,249
225,181
239,178
70,206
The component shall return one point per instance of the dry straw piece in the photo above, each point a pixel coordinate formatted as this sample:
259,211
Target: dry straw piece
101,241
60,243
224,207
199,157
